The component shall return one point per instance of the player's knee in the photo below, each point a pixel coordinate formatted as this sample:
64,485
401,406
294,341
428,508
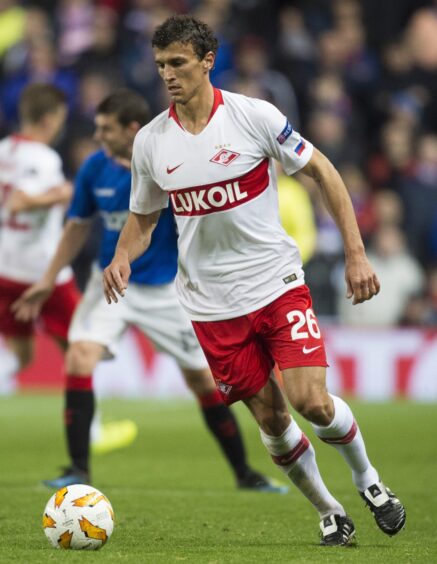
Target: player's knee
22,349
81,358
274,423
24,357
318,410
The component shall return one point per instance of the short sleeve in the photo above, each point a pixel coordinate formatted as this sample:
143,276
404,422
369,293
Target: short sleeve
83,204
146,196
280,141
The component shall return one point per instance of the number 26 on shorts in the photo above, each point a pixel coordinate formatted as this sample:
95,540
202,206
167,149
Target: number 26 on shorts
303,321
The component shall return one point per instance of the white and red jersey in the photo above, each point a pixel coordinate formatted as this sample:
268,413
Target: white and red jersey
28,239
234,255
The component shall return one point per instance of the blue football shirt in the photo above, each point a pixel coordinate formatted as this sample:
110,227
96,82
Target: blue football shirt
103,186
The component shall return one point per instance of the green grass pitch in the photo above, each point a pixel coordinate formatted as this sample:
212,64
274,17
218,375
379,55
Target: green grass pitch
175,500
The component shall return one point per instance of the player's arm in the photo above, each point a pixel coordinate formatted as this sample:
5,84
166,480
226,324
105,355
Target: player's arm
73,238
133,242
362,282
21,201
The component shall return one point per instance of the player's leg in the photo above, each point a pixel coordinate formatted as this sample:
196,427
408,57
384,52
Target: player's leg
294,455
16,356
294,339
224,427
22,348
242,366
17,336
94,330
81,360
9,367
333,421
218,418
331,418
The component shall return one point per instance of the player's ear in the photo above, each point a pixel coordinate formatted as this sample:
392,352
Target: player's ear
134,126
208,61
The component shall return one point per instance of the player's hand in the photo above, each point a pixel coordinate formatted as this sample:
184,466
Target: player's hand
115,278
28,306
17,202
361,280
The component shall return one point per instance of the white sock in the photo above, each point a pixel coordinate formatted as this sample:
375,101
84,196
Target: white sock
344,434
9,366
96,427
295,456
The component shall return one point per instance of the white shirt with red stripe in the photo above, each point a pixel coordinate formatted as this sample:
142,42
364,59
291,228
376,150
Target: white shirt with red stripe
234,255
28,239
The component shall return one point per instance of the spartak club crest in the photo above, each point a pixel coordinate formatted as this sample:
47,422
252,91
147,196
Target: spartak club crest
224,157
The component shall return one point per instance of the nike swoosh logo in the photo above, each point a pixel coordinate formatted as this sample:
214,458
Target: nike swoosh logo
308,351
170,170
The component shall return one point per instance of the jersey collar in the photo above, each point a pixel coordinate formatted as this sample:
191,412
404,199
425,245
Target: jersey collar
218,101
17,137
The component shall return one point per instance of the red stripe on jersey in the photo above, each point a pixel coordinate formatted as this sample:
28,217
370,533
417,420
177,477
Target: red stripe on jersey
291,456
346,439
218,100
220,196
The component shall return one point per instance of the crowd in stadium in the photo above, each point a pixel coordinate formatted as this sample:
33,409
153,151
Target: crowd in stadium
358,78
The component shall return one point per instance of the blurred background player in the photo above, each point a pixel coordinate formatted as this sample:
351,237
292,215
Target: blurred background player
33,196
103,186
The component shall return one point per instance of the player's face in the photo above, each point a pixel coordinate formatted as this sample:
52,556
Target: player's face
115,138
182,71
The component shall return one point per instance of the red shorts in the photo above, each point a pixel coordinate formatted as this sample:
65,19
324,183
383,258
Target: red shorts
241,352
55,315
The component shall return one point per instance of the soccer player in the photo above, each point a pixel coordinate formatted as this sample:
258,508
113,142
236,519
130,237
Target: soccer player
33,196
103,186
240,277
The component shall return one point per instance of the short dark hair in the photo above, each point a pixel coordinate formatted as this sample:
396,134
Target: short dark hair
127,106
39,99
186,29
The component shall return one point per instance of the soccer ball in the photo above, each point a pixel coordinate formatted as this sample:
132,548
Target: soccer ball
78,517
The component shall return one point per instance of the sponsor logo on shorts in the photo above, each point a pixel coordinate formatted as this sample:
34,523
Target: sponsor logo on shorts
220,196
285,133
312,349
224,157
224,388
